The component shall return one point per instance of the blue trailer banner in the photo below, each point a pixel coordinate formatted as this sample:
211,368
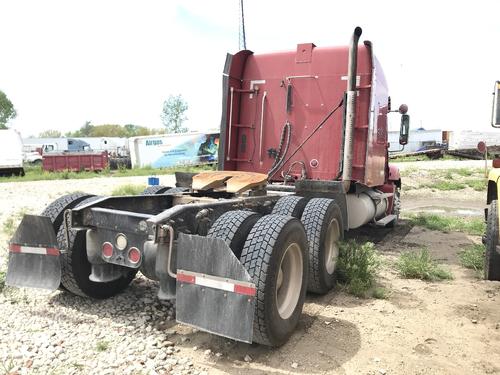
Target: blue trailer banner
164,151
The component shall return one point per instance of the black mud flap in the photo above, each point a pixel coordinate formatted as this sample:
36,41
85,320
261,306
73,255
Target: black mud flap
34,257
214,291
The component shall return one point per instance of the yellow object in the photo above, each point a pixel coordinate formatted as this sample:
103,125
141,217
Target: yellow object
494,176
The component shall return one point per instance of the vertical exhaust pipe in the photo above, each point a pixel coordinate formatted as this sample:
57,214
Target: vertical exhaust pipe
350,119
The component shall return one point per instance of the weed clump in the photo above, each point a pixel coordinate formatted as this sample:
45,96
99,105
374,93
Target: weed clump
420,265
358,266
128,189
472,257
475,226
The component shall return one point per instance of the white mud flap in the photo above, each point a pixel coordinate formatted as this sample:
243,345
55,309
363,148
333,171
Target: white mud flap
33,255
214,291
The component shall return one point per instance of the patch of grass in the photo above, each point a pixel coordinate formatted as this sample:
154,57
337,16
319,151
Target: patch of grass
452,157
472,257
380,293
35,173
7,365
2,280
358,265
128,189
420,265
408,171
465,172
102,346
474,226
10,224
478,184
445,185
77,366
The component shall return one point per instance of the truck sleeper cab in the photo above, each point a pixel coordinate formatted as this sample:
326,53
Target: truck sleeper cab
302,159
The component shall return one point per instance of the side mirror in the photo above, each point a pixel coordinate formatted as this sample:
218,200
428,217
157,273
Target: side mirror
495,116
404,130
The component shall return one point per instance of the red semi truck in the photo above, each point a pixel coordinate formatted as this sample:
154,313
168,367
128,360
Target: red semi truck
302,159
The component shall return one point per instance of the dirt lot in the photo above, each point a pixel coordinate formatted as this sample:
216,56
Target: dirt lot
448,327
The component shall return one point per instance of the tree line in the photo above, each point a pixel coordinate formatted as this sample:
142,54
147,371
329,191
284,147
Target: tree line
173,116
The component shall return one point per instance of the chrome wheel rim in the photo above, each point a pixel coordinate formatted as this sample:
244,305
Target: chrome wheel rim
332,246
289,281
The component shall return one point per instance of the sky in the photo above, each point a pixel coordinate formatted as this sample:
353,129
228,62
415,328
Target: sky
114,62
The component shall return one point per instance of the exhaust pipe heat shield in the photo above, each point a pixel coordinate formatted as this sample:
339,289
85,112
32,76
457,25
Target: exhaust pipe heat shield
33,255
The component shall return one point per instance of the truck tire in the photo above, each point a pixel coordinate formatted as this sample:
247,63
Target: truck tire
55,210
492,257
234,227
155,189
275,256
322,221
76,269
290,205
396,208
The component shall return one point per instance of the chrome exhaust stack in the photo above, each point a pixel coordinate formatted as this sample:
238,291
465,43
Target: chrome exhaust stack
350,118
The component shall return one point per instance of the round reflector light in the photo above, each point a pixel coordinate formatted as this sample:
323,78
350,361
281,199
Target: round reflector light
107,249
121,241
134,255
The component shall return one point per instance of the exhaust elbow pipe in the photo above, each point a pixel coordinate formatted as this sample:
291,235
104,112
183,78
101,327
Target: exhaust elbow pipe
350,119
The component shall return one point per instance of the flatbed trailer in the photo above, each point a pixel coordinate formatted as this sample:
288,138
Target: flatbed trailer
303,158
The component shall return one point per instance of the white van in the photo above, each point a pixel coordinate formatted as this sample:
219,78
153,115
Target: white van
11,153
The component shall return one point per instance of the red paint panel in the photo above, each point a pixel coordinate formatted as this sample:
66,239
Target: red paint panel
318,79
75,161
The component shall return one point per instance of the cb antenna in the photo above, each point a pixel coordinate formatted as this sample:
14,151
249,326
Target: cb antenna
242,37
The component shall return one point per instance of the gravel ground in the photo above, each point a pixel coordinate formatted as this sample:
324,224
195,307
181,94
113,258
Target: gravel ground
64,334
419,329
58,333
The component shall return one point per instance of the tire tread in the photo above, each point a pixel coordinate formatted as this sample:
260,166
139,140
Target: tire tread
492,257
290,205
313,218
255,257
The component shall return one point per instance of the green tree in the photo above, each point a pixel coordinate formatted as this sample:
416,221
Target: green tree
7,110
173,114
50,134
108,130
86,129
112,130
132,130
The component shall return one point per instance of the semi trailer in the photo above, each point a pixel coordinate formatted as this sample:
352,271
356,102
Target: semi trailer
303,158
11,153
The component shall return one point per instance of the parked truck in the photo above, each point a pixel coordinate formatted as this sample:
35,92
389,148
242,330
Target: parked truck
492,253
11,153
48,145
303,158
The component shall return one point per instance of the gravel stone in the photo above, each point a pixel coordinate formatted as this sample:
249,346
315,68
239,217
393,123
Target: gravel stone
61,333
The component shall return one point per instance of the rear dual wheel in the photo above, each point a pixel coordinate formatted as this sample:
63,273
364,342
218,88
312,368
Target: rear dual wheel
75,267
275,256
273,249
323,223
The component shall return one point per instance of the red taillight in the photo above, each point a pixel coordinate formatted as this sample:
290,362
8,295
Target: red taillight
107,250
134,255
